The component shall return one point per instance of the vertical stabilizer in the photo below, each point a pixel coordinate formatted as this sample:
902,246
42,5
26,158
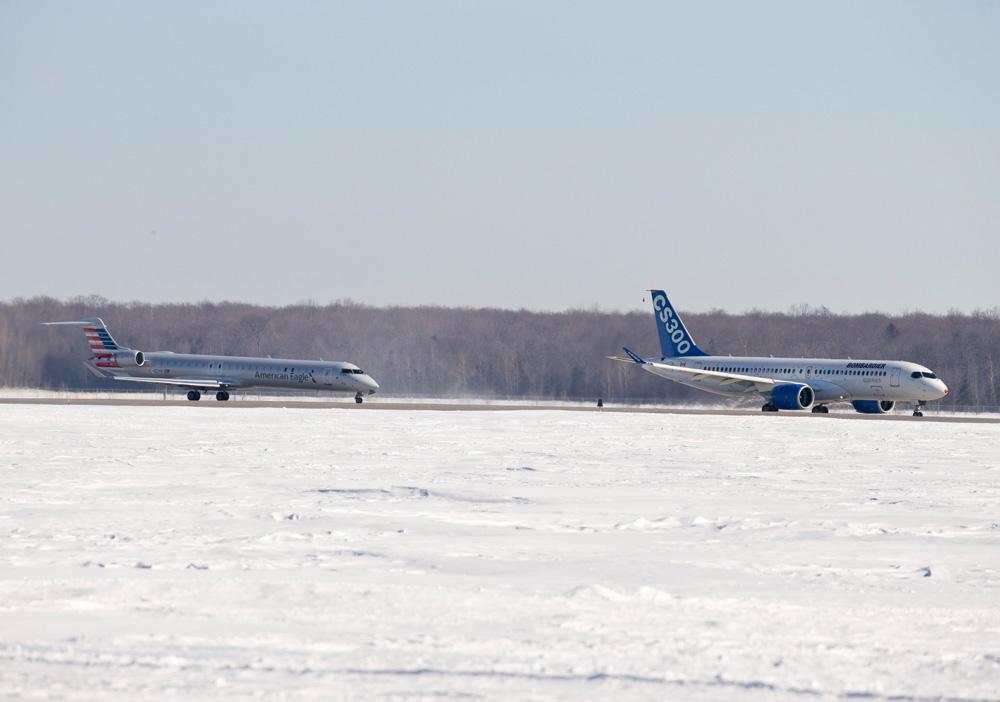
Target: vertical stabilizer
675,341
102,344
98,336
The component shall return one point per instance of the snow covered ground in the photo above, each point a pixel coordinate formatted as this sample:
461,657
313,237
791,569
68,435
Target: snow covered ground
178,394
148,552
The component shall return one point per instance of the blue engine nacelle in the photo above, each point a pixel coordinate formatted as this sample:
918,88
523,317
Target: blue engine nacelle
873,406
793,396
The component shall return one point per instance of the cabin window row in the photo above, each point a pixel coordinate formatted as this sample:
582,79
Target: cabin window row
235,366
818,371
249,366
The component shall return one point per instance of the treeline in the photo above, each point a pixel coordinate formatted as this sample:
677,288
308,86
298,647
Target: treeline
437,351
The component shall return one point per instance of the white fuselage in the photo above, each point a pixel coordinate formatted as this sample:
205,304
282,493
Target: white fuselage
832,379
249,372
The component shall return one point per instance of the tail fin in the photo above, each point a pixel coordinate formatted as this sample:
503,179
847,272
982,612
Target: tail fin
675,340
102,344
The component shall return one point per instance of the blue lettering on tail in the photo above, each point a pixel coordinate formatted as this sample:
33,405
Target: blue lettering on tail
675,340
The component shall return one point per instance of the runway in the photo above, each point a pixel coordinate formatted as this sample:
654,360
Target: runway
482,407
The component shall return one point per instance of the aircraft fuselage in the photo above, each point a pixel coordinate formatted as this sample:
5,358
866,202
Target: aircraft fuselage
242,372
832,380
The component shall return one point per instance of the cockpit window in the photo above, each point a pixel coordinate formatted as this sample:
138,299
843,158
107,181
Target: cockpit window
915,374
356,371
929,375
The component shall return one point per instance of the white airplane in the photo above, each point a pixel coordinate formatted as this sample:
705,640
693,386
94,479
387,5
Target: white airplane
872,387
202,372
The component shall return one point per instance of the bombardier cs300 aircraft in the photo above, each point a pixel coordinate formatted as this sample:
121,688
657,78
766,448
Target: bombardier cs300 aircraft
873,387
201,372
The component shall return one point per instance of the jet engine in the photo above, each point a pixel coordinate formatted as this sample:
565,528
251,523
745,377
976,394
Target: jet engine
130,359
793,396
873,406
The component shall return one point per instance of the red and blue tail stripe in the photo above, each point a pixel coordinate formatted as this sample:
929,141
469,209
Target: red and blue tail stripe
102,344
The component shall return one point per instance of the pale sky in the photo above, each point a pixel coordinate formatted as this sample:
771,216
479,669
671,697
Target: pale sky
545,155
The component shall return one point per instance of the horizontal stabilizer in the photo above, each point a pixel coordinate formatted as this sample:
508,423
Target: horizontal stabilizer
95,331
633,355
77,323
620,359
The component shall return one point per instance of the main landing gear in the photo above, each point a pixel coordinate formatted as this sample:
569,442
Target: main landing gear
821,409
358,398
917,410
768,407
195,395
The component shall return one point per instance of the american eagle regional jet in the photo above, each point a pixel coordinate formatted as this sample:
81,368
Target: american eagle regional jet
872,387
202,373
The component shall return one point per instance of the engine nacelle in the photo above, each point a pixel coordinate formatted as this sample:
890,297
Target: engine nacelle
873,406
130,359
793,396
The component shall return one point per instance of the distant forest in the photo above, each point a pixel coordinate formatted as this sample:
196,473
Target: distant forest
493,353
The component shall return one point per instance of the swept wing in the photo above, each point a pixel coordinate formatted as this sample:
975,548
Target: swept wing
737,381
185,382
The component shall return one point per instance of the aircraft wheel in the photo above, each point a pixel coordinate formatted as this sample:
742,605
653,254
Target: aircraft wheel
358,398
918,413
194,395
821,409
768,408
222,396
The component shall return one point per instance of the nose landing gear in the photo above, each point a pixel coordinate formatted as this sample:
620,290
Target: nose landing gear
358,398
917,410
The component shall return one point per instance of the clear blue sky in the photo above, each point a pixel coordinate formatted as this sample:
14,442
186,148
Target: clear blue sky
537,154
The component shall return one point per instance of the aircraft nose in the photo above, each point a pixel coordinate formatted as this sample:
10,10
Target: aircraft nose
370,383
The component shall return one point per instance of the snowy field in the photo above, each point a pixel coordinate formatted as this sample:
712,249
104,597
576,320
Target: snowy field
253,395
318,554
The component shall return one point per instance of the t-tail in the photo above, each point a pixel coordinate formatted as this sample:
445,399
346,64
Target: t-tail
105,351
675,340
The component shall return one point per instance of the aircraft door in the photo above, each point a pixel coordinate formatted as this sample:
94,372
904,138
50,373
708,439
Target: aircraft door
894,378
